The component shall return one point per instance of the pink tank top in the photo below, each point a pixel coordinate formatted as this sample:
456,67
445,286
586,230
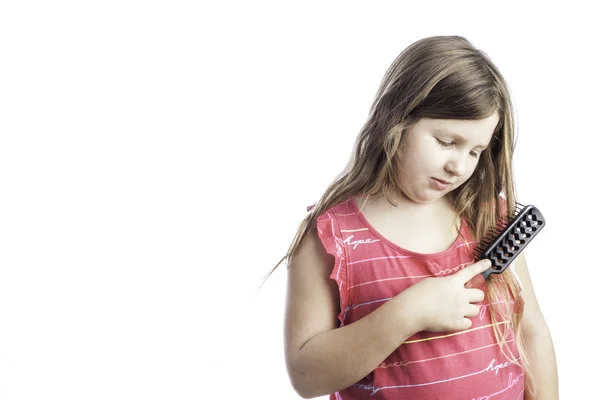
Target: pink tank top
370,270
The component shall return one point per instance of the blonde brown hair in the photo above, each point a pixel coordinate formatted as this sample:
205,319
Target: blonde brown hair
439,77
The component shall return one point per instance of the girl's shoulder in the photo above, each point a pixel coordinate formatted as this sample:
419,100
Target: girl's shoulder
343,209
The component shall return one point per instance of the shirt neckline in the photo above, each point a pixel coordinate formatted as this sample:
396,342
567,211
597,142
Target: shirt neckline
448,251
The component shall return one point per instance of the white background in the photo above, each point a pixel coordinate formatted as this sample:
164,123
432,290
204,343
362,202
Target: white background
157,157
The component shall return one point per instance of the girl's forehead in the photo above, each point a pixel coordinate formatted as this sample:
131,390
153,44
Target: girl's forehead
465,129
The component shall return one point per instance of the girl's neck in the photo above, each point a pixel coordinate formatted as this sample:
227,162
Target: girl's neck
406,205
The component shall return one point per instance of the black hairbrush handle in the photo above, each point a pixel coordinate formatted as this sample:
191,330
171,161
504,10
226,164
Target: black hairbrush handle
504,247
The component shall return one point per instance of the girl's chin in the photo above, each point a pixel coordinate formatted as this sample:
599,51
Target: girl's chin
428,198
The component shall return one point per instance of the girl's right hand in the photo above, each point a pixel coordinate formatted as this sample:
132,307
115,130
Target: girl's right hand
444,304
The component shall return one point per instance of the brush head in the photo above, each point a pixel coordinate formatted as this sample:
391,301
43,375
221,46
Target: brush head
502,244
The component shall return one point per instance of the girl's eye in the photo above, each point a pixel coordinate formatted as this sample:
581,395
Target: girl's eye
444,144
450,144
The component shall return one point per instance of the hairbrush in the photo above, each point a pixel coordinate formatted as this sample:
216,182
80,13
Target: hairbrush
503,244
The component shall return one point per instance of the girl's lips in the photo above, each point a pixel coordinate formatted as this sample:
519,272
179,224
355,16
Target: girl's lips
439,184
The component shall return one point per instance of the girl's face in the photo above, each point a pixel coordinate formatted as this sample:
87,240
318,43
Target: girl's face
439,155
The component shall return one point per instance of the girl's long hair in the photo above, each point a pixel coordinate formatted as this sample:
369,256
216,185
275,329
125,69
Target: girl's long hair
440,77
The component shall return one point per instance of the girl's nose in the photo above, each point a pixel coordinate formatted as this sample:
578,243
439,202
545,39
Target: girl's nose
457,165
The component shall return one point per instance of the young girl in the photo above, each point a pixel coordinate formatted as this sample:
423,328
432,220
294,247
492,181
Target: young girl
385,300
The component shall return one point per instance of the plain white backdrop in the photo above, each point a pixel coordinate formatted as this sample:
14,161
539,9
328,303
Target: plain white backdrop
157,157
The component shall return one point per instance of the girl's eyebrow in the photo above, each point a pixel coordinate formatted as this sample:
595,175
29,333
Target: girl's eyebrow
459,138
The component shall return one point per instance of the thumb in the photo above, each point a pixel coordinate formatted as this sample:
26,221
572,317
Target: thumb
474,269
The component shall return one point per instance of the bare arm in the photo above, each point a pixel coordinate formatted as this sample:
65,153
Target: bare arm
538,341
320,358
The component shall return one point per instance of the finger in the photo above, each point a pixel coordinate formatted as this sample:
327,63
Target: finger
473,270
466,323
474,295
471,310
